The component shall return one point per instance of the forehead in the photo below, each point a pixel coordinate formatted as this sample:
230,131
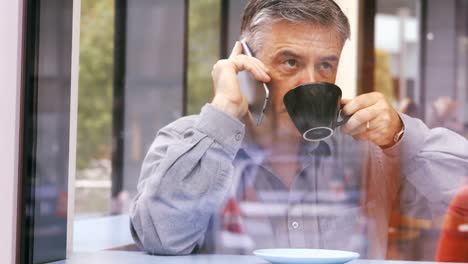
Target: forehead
302,37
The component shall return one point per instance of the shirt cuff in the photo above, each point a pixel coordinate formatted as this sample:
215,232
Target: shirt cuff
224,129
412,141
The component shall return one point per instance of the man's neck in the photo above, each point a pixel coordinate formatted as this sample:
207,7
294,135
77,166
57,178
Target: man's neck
280,146
284,163
283,159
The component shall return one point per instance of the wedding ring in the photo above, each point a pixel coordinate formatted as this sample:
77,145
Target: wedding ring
368,125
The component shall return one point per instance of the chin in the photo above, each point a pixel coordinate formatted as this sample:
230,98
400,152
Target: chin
282,112
287,131
280,124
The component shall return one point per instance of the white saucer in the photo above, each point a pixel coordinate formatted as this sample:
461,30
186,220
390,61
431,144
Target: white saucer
305,256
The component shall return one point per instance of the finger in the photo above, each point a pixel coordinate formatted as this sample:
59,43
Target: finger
257,62
362,101
360,130
243,62
364,137
361,137
264,67
368,135
237,50
374,125
377,133
361,118
345,101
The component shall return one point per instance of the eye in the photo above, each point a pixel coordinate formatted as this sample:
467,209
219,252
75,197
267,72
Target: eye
325,66
291,63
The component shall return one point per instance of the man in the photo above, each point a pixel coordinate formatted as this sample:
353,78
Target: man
336,194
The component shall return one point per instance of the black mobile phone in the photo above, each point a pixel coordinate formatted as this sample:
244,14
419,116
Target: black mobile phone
256,93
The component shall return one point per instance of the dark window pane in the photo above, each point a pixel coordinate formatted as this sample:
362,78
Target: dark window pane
46,131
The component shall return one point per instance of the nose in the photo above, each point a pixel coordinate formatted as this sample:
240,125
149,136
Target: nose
307,75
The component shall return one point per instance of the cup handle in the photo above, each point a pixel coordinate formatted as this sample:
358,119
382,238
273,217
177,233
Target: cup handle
345,118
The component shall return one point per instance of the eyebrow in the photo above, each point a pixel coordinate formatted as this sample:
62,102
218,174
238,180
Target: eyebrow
330,58
291,54
288,53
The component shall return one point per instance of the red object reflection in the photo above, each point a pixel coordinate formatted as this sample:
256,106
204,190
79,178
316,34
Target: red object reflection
453,246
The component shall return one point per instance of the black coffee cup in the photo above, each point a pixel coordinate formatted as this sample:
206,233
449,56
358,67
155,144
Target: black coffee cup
315,109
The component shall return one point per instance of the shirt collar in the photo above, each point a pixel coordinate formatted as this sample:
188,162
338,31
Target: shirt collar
308,151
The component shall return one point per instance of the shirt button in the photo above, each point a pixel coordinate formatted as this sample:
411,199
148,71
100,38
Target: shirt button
238,136
295,225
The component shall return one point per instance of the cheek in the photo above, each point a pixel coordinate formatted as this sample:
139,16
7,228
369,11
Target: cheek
280,85
277,91
330,78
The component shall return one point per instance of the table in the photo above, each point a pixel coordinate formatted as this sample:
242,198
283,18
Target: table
108,232
126,257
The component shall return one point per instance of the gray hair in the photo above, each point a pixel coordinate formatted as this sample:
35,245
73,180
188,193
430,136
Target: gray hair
261,13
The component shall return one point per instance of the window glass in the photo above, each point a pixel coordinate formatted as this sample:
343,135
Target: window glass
413,62
397,51
95,122
133,72
94,135
45,132
190,178
204,28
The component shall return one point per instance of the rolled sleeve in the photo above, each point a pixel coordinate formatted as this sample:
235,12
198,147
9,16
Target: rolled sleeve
412,141
224,129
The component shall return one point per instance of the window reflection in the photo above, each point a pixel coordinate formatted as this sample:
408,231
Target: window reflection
45,137
446,107
204,29
163,60
410,70
397,53
94,148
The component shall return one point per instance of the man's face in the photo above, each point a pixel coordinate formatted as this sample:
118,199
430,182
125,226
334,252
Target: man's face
297,54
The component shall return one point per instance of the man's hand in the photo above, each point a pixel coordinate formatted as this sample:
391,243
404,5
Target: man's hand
373,119
228,96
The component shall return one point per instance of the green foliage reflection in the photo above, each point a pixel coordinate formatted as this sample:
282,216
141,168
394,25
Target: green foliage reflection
95,81
204,39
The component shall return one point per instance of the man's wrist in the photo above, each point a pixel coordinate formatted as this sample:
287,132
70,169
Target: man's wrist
228,107
224,129
397,136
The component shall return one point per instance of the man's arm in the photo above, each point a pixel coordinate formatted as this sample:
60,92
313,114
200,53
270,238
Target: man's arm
434,165
187,171
434,162
184,179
